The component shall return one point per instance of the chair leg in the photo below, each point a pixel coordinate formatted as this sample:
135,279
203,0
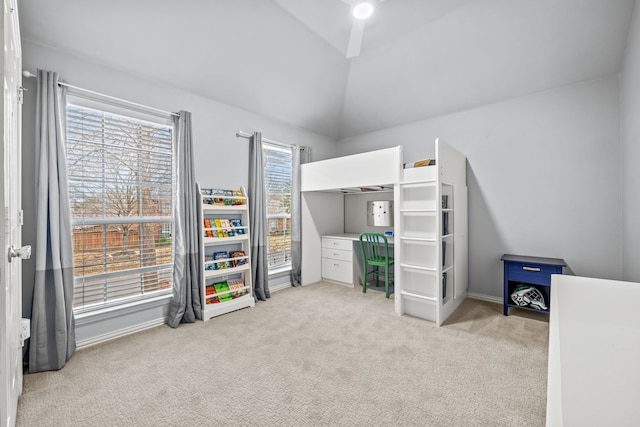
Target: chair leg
364,278
386,280
377,276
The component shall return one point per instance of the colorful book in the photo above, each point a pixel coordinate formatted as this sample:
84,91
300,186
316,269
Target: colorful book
228,228
237,226
218,224
237,262
222,287
207,224
209,291
237,285
220,257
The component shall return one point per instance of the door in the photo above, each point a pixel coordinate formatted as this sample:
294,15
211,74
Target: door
10,218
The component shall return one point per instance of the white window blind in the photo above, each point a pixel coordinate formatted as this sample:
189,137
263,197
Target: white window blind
121,190
277,173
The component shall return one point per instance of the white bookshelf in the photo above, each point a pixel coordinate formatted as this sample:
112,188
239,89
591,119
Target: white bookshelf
230,234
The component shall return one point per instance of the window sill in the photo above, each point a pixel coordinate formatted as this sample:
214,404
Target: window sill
120,310
280,271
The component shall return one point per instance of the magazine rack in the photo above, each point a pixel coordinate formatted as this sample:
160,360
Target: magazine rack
225,251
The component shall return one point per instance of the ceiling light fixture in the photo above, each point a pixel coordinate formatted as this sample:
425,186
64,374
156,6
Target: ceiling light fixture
362,10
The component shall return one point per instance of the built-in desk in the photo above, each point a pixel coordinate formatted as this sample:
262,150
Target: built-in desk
341,259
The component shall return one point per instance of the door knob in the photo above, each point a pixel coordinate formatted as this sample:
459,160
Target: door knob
22,253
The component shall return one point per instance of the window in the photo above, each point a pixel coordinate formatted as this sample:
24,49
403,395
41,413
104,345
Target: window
121,189
277,174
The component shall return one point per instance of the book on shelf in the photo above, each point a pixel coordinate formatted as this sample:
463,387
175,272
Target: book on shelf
228,228
218,224
222,287
445,223
209,292
221,197
237,285
237,226
220,257
237,262
419,163
214,192
209,265
224,227
444,285
207,225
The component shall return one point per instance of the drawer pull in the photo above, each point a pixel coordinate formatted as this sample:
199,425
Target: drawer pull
335,254
531,268
336,265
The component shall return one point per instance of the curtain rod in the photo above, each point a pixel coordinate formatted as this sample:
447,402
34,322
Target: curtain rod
241,134
29,74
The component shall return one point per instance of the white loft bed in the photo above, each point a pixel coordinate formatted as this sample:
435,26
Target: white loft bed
324,186
373,169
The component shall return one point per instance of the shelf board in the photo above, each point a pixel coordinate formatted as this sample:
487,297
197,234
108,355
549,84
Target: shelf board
230,291
221,260
424,297
208,274
419,239
224,208
418,210
417,184
445,270
528,308
446,236
217,309
447,210
418,267
225,240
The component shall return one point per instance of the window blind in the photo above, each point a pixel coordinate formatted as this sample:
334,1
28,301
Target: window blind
121,190
277,171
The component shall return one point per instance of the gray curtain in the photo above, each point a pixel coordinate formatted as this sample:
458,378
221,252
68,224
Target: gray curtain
300,155
258,220
186,305
53,339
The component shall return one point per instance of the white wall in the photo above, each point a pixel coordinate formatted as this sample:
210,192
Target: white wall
542,172
221,159
355,212
630,156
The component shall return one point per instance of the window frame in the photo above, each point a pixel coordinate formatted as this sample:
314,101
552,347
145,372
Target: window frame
285,266
113,107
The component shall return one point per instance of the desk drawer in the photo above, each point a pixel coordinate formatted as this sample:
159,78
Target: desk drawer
538,274
340,271
337,254
342,244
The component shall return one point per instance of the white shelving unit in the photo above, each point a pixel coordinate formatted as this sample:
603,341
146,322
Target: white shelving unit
431,238
218,238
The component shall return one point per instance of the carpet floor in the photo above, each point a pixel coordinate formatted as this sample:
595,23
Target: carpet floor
319,355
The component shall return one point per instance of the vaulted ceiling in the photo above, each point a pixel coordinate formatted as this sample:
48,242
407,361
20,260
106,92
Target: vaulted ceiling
285,59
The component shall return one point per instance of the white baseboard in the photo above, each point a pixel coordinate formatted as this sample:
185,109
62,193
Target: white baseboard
279,287
119,333
482,297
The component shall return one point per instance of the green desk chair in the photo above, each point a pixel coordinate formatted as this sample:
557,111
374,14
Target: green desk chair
375,252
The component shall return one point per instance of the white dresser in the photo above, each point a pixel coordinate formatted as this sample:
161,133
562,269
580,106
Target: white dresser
337,258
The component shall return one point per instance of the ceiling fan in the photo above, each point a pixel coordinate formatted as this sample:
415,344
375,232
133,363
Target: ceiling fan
361,11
